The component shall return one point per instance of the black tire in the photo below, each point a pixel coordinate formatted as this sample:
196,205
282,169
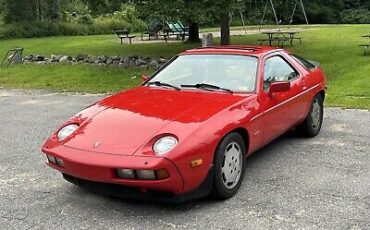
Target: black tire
220,190
311,127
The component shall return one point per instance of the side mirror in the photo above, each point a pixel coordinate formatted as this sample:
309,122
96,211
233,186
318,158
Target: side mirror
144,77
278,87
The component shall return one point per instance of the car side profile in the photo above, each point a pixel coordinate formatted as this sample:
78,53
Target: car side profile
187,130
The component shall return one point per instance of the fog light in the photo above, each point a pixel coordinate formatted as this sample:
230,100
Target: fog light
59,162
51,159
126,173
162,174
146,174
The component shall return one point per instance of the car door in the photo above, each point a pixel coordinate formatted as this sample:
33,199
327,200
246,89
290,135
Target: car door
281,110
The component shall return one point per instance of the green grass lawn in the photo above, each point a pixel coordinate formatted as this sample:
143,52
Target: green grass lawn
71,78
92,45
335,47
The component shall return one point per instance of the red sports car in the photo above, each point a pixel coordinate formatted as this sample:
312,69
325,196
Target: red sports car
187,130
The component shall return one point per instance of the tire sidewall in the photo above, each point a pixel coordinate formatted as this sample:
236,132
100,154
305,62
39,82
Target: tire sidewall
219,189
312,131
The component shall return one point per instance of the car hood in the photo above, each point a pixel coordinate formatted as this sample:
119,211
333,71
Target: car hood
128,120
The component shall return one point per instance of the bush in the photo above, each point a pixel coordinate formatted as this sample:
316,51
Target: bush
127,17
82,17
355,16
74,25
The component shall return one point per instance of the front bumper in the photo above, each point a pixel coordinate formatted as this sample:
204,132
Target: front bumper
101,168
122,191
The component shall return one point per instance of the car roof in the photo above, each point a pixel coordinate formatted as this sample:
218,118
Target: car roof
234,49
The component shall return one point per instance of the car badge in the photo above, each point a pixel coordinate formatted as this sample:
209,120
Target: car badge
97,144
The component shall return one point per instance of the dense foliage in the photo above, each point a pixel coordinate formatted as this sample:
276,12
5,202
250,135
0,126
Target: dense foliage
31,18
36,18
318,11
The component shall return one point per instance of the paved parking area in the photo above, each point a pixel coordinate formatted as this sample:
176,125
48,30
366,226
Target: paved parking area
293,183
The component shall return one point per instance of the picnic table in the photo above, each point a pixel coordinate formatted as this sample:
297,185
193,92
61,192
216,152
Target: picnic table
366,46
281,36
123,34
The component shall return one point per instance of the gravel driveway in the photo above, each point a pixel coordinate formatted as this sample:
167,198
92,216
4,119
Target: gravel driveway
293,183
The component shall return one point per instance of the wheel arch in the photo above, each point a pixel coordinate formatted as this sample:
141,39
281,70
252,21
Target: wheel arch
218,189
323,94
243,132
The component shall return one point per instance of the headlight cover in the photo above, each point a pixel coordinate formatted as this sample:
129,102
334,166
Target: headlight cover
164,145
66,131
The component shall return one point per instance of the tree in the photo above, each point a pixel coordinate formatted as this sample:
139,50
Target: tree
219,10
100,7
2,7
193,12
225,28
162,10
55,10
18,11
193,18
225,8
222,9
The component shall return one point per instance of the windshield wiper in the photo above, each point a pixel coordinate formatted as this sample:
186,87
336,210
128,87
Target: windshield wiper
158,83
207,87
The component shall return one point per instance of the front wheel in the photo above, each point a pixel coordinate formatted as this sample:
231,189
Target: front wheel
311,126
229,165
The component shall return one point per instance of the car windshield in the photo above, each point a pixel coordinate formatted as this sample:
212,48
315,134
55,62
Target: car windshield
235,73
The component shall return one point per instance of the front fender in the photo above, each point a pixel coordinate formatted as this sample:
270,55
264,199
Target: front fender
202,142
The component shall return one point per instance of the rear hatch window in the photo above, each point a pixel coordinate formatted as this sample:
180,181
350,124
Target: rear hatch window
306,63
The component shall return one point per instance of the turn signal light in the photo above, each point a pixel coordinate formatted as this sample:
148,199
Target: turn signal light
162,174
196,163
51,159
60,162
55,161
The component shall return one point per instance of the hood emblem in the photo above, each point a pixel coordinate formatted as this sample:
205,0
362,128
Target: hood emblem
97,144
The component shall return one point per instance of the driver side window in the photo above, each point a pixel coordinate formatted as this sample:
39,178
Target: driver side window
277,69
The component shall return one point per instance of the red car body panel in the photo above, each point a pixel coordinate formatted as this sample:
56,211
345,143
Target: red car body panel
94,166
128,123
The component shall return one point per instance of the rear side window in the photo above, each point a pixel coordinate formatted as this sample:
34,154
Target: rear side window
303,62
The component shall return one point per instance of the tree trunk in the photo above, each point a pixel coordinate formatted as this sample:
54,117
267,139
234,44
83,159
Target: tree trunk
55,10
225,29
38,11
193,32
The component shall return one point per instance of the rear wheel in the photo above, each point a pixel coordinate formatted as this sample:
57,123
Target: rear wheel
311,126
229,164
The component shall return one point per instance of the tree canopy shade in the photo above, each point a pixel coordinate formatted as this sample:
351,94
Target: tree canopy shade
318,11
99,7
70,17
193,12
18,11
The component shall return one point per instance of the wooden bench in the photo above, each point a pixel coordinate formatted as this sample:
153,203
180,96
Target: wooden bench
367,48
123,34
